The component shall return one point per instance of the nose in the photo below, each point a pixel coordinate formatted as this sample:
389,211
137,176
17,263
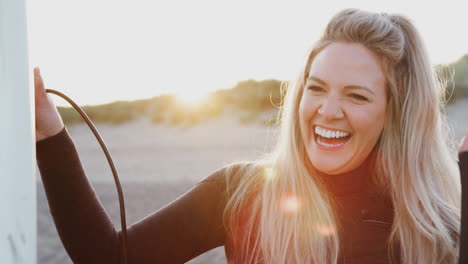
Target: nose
330,109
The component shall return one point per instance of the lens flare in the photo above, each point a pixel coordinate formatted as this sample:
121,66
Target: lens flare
269,173
326,230
290,204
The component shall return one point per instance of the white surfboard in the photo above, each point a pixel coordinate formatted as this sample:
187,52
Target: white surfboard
17,143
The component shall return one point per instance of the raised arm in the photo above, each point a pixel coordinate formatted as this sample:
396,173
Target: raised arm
178,232
182,230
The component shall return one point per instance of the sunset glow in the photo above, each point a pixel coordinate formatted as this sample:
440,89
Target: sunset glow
191,98
162,48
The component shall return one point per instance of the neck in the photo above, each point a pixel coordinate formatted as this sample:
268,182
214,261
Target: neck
348,183
354,181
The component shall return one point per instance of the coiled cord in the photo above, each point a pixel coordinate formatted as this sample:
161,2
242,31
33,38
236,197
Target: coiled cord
123,223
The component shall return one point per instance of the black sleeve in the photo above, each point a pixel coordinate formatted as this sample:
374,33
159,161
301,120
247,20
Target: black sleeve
463,164
180,231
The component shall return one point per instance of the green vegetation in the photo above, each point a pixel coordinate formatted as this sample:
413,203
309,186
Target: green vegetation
113,113
456,76
251,98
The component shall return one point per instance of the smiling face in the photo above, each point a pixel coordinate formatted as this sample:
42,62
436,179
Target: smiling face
345,91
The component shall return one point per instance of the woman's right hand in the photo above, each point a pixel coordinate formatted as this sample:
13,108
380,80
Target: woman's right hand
48,120
463,144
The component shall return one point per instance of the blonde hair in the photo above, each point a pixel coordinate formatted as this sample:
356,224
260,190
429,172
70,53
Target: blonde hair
415,157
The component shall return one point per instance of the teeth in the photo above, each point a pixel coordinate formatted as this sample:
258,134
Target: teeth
329,145
330,134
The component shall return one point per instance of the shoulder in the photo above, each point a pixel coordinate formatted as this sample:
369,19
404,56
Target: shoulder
231,176
228,172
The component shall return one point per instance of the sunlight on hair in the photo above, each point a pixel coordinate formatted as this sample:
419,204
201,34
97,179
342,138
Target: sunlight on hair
290,204
326,230
269,173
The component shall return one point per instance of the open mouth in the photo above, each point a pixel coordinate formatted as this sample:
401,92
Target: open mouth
331,142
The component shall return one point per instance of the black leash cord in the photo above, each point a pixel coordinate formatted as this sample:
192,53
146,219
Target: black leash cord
114,172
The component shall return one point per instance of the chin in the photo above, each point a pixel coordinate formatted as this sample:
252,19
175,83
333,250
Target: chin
327,168
330,171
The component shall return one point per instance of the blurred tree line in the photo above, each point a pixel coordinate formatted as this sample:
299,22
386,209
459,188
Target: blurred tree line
456,77
251,98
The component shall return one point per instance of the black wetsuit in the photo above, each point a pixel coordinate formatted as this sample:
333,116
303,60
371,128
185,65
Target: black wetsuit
192,224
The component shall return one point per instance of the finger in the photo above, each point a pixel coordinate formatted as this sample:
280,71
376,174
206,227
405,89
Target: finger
38,82
463,144
40,93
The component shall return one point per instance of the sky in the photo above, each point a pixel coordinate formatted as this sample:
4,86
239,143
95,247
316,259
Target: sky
98,51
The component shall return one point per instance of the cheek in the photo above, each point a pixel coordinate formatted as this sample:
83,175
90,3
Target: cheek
305,115
369,122
306,108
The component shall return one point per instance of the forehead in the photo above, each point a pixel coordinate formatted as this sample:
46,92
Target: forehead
348,64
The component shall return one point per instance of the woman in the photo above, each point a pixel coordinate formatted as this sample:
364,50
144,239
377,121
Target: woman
362,171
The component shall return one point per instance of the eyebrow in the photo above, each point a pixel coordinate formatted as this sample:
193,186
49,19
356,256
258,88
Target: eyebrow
352,87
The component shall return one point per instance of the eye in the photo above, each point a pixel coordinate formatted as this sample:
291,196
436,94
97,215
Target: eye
359,97
314,88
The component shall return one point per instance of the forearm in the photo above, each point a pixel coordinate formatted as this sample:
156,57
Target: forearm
82,223
180,231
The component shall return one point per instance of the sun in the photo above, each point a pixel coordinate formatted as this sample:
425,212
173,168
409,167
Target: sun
191,98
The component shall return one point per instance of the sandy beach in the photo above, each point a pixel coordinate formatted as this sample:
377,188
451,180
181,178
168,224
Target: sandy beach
158,163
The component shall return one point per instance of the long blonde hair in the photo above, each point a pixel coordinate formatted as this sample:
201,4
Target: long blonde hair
415,157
